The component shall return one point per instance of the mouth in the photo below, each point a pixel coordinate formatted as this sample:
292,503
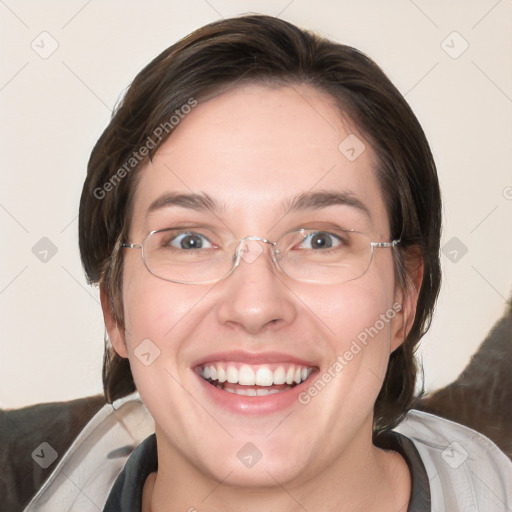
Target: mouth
254,380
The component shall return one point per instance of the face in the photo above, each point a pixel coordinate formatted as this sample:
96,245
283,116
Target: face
253,151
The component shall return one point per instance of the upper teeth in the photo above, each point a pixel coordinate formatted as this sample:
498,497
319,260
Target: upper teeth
246,375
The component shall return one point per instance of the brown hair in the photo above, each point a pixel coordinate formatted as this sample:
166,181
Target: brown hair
256,48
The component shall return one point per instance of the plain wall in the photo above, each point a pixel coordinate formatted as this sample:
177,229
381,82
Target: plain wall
53,110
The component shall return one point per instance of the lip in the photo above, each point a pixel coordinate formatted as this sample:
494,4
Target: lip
253,405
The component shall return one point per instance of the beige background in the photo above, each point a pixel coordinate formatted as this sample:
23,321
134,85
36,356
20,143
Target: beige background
53,110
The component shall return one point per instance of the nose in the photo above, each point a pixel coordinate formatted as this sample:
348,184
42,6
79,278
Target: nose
255,295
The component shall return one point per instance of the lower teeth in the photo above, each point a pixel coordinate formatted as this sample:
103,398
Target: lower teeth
250,391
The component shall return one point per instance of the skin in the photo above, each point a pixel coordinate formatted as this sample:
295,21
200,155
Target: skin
250,149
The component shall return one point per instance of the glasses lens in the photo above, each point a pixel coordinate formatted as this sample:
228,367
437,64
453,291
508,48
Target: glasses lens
199,255
324,256
186,255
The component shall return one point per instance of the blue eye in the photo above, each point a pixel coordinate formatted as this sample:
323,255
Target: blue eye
320,240
190,241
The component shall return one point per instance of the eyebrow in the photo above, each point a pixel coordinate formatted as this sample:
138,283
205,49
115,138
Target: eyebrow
192,201
323,199
304,201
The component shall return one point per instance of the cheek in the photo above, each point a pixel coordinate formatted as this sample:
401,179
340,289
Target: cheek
363,336
158,310
359,317
160,318
358,307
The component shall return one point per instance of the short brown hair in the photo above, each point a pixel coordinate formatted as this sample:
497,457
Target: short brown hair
257,48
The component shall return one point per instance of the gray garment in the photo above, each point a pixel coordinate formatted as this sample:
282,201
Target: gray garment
466,472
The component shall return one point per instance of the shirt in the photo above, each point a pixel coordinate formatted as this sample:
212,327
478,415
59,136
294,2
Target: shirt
105,468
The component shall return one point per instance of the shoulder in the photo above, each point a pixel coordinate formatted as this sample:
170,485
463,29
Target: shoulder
466,470
24,435
85,471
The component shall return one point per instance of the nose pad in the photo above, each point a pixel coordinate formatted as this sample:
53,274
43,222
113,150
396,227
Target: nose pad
250,251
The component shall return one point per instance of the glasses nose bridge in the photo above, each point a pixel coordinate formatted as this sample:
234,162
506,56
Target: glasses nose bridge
244,252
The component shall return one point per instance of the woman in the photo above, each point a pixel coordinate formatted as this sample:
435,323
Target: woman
262,216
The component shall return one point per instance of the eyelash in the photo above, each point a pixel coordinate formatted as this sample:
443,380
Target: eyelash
336,240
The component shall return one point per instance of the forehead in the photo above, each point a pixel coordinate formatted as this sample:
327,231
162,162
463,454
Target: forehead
253,149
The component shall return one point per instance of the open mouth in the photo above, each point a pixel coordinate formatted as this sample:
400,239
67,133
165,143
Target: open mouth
254,380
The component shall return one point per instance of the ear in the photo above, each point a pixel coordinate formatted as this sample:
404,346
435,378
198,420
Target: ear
115,332
408,299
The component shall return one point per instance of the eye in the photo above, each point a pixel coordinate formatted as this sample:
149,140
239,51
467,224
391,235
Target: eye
318,240
190,241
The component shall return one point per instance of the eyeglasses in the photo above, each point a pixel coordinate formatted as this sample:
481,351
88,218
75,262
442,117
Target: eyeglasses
201,255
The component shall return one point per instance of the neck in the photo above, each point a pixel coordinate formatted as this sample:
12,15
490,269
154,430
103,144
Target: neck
368,480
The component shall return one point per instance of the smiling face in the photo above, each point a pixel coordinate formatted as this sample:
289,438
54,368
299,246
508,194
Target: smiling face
230,388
